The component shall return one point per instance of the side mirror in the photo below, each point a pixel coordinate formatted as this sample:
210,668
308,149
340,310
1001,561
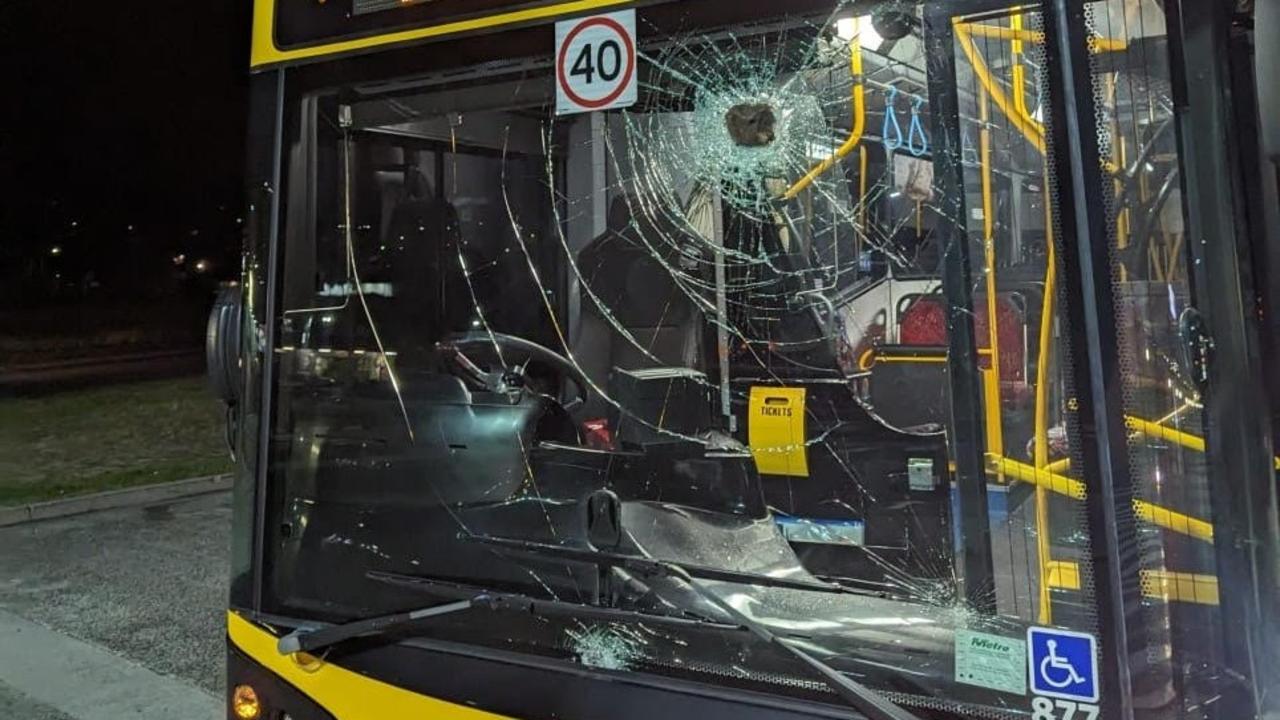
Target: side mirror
222,345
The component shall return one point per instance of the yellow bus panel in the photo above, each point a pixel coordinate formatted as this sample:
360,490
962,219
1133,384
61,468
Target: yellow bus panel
264,51
345,694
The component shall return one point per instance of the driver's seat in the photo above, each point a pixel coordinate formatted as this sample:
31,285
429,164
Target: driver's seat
418,259
628,285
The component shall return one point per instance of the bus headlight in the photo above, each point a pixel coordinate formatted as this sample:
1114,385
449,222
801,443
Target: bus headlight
245,703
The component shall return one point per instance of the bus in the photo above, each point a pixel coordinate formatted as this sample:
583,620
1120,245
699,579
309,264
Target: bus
810,359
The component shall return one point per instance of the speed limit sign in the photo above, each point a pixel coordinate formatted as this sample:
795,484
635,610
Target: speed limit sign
596,63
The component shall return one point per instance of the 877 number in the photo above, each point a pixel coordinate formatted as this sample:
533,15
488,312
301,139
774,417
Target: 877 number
1046,709
604,59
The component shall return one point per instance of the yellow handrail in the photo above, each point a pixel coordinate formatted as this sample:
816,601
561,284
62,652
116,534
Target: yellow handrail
1043,554
1030,129
1016,111
1053,482
862,198
1059,466
989,246
994,421
859,103
1164,432
1018,71
1035,37
1047,309
1151,429
1074,489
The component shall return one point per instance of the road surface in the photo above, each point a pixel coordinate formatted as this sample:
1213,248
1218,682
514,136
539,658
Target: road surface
117,614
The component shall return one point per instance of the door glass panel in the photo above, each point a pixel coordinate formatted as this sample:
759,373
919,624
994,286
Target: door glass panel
1174,612
1040,541
1157,328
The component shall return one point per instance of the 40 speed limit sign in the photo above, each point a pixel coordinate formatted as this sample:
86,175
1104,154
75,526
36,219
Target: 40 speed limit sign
596,63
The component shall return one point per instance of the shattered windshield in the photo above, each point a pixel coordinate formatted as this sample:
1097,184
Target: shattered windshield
716,328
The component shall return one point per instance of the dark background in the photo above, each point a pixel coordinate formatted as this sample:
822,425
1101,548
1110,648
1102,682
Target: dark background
121,149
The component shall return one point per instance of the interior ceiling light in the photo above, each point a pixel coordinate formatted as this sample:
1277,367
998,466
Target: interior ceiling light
847,28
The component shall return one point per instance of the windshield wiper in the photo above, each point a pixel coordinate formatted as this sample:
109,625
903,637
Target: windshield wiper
472,597
867,701
652,567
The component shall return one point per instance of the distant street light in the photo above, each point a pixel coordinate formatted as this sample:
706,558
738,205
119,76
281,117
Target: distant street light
56,250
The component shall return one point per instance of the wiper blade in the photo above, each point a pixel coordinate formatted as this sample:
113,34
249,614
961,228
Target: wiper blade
494,600
311,640
867,701
472,597
653,567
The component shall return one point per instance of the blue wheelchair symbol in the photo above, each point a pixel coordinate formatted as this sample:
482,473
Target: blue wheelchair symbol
1063,664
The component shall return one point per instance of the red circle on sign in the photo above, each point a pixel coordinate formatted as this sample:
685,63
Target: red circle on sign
621,32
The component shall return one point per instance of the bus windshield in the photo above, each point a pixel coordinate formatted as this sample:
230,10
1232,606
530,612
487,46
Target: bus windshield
706,329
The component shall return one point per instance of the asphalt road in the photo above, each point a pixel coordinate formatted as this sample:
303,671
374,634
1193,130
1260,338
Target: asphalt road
95,604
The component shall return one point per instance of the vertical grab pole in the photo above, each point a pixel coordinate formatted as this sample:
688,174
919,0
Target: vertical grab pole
1018,70
1043,359
1044,355
994,419
862,201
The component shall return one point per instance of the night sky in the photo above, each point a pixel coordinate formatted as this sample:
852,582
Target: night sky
121,115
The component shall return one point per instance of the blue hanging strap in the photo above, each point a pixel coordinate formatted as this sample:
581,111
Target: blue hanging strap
917,130
891,133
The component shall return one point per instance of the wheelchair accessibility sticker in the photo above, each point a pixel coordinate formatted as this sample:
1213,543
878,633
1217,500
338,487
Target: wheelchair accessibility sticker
1063,664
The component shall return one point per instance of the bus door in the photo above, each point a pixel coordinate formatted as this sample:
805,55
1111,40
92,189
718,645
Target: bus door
1076,150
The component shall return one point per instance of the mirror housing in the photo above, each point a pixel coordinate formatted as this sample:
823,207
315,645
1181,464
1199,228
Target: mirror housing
222,345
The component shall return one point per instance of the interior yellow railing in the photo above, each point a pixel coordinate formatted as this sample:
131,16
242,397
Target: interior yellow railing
1148,512
1096,44
858,101
1021,121
1014,108
994,419
1148,428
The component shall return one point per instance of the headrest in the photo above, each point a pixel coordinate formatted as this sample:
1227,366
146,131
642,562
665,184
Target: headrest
416,185
620,212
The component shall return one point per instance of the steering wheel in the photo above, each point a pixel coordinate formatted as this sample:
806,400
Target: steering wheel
506,357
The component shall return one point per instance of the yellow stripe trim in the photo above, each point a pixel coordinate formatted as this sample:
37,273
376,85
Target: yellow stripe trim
345,694
264,51
909,359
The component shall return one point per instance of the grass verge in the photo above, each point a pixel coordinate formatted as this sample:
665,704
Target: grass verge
109,438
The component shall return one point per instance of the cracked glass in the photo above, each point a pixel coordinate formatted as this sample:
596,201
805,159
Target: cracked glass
713,329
